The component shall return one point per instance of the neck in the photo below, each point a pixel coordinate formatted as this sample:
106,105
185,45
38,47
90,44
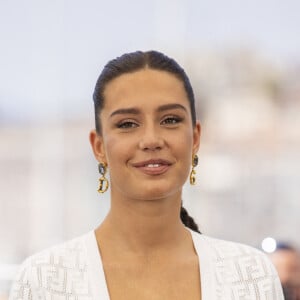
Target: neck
144,225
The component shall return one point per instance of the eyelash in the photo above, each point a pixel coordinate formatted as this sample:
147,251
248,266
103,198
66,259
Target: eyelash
171,120
168,121
127,124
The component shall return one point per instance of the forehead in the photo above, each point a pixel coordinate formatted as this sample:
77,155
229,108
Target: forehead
144,86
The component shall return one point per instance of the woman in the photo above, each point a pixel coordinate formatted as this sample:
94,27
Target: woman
147,247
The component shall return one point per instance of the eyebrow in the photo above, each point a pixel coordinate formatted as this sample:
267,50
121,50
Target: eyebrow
124,111
171,106
135,111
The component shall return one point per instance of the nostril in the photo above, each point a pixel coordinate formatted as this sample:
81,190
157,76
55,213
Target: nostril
151,144
152,148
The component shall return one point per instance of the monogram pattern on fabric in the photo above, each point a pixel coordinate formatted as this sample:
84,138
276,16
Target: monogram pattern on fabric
60,273
243,273
238,272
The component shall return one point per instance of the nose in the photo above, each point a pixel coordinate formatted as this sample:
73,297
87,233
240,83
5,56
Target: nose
151,139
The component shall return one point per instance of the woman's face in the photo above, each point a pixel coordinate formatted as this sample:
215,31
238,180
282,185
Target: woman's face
147,136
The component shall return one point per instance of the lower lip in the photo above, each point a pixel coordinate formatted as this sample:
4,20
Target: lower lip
154,170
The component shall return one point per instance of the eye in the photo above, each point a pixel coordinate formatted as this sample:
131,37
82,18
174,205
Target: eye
171,120
127,124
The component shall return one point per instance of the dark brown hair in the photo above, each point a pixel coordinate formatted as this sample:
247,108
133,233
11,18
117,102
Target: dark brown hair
132,62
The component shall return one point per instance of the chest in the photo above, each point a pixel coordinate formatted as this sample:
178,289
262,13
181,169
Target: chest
153,280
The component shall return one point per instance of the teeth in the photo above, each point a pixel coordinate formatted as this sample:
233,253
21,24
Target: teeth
153,165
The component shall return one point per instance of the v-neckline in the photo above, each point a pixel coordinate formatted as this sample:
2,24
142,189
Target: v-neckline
98,281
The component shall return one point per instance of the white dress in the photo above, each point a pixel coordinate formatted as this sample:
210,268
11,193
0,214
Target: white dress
74,271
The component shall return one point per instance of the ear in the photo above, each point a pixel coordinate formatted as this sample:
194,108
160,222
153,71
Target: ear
196,137
96,141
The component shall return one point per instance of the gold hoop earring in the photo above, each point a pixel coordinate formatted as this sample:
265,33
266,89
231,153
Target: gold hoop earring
193,172
103,182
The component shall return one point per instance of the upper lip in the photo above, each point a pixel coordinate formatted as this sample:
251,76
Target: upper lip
152,161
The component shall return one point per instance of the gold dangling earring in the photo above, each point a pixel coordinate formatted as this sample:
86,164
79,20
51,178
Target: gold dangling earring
103,182
193,172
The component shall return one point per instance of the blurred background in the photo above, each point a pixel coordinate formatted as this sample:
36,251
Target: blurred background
243,59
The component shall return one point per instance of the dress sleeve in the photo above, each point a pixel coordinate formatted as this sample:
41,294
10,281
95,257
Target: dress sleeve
22,288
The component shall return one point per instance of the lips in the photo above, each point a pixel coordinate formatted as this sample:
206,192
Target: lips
153,166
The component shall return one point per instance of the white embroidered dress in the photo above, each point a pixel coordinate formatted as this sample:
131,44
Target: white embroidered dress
74,271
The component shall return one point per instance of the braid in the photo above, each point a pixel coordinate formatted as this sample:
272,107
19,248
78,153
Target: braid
187,220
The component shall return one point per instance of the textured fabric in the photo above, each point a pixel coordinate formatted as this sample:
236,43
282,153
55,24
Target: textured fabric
237,271
73,271
57,273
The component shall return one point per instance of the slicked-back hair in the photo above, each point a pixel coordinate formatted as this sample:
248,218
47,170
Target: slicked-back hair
135,61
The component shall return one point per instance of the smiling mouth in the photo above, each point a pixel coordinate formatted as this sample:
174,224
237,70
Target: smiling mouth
153,167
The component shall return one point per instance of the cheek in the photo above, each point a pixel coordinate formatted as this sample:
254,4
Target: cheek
181,146
111,147
117,150
187,148
184,142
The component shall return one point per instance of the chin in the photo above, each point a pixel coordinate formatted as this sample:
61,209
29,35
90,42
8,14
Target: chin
156,193
150,190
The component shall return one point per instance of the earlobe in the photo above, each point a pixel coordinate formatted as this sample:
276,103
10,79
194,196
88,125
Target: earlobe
96,142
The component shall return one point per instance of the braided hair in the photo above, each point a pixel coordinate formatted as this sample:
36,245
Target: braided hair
187,220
